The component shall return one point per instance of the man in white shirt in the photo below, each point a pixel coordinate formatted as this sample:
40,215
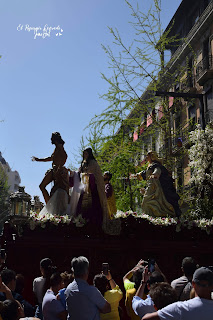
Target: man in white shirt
201,307
139,305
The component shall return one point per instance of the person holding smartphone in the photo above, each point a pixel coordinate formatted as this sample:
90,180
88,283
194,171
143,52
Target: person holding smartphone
140,305
135,275
110,290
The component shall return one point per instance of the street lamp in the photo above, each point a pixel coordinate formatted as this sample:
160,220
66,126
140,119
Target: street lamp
20,202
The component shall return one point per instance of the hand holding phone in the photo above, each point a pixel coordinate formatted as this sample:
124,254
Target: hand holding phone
105,268
151,265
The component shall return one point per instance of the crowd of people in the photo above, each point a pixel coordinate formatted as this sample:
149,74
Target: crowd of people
148,295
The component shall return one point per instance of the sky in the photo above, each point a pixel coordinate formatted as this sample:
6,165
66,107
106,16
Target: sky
53,83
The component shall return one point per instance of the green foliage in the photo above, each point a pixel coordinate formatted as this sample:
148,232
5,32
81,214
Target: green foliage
138,69
3,190
203,208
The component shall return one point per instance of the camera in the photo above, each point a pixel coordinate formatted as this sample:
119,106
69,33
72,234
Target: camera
151,265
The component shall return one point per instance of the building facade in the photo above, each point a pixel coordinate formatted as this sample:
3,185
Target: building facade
188,96
14,179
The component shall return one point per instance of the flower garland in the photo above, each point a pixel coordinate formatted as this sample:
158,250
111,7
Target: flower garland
180,223
36,219
183,222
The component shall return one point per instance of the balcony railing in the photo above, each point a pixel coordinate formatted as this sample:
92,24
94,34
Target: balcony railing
204,69
188,84
182,138
178,140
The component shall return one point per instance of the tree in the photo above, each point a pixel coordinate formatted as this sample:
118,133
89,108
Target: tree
139,69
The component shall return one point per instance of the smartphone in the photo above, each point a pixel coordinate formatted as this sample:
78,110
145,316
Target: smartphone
2,253
151,265
105,268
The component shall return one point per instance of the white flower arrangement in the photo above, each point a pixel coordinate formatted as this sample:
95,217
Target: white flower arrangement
183,222
180,223
201,155
79,221
37,219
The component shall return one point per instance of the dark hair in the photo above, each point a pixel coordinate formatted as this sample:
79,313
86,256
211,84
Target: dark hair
9,310
137,277
49,269
67,278
55,279
162,294
8,275
101,282
189,266
155,277
109,174
90,153
85,162
57,137
45,264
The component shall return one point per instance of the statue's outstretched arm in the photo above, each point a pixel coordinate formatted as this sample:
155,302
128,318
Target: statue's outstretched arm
42,159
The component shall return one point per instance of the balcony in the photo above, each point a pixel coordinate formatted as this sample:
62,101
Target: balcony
182,138
188,86
178,140
204,70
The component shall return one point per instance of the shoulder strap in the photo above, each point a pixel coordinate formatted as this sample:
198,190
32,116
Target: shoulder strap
183,289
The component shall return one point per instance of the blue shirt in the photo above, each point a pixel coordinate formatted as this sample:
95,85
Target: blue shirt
196,309
142,307
83,301
51,306
62,297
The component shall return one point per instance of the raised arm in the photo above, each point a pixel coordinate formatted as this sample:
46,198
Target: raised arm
145,278
151,316
159,270
6,290
129,274
42,159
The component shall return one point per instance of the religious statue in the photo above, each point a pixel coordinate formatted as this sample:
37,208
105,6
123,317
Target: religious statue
160,197
111,204
92,203
59,173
